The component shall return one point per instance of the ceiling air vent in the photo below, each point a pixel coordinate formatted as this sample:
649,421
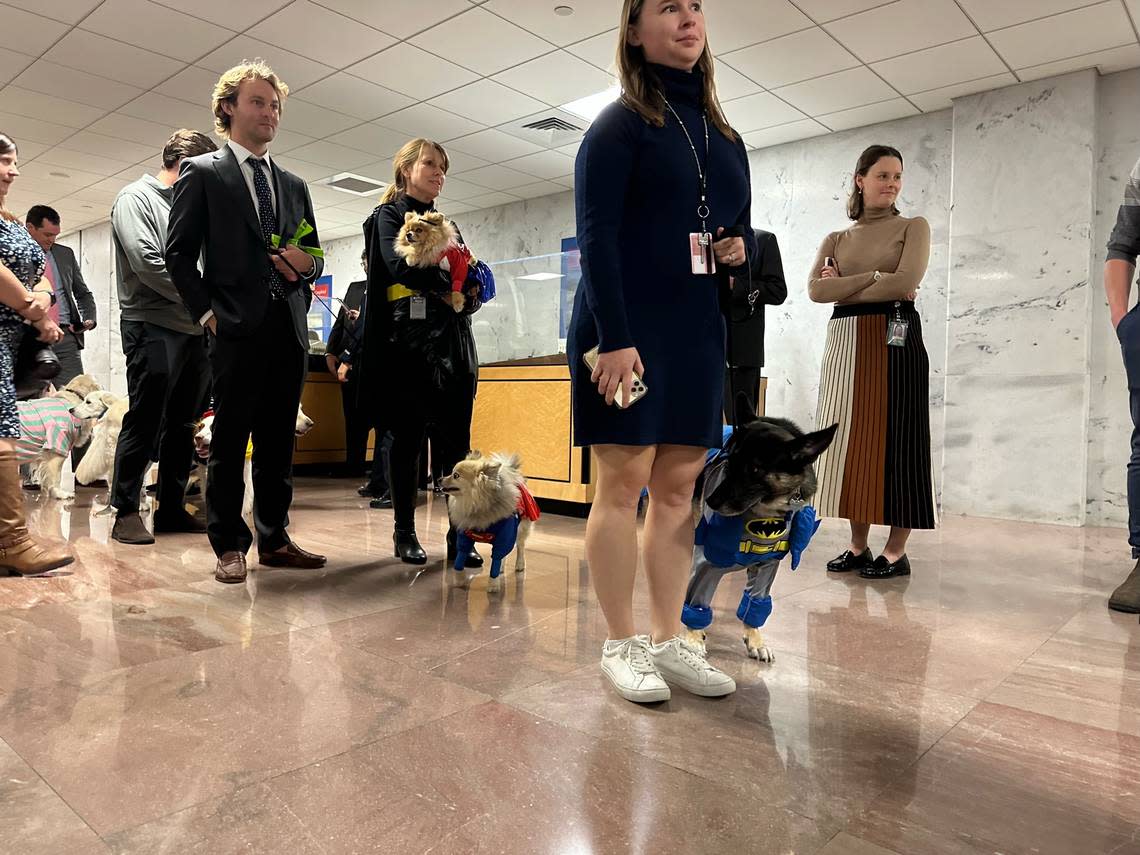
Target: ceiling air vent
551,123
550,129
357,185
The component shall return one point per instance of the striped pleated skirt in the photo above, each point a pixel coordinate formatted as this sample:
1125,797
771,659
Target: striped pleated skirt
878,468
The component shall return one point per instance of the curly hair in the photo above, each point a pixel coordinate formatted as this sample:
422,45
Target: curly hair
226,90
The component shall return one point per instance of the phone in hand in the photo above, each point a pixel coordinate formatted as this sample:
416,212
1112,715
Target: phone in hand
638,388
830,262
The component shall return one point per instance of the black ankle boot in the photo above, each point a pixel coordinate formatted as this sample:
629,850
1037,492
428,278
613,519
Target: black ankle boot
474,559
408,547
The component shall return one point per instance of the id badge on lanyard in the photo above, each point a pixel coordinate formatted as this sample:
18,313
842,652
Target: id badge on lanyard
417,310
702,261
897,329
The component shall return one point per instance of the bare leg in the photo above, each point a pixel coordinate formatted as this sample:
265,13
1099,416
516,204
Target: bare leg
896,544
669,534
611,531
859,533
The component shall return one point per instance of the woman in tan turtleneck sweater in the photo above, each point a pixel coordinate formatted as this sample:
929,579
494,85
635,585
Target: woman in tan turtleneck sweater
875,378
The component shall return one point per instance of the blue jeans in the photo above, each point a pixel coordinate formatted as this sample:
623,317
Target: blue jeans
1128,331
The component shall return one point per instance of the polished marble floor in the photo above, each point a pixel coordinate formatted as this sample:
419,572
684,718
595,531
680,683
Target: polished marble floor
989,704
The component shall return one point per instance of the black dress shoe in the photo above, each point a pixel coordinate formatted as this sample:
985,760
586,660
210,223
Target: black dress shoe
383,501
408,547
850,561
881,568
367,492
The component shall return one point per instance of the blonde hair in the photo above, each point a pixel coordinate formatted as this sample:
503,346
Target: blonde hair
639,89
226,90
406,158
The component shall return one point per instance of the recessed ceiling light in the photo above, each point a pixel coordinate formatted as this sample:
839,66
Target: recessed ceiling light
564,11
59,175
589,107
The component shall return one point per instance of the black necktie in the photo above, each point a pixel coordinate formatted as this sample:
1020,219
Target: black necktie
268,221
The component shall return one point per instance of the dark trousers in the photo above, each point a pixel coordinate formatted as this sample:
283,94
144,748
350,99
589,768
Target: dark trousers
257,389
1128,332
743,380
70,367
357,423
415,404
167,376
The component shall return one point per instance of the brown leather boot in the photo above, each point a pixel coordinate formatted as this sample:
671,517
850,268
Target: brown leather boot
20,555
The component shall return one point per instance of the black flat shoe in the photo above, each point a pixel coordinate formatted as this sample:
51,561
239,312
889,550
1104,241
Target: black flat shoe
849,561
881,568
384,501
474,559
408,547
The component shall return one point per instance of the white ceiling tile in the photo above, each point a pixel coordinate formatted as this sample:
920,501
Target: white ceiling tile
407,69
360,205
490,200
326,197
450,207
134,129
103,199
337,157
733,24
73,178
304,118
25,102
35,130
31,150
841,91
456,40
11,64
328,218
590,17
801,130
328,37
100,55
762,110
1074,33
227,13
730,83
287,140
379,142
540,188
32,33
822,11
68,11
494,146
396,16
904,26
543,164
460,161
337,232
293,69
570,150
792,58
63,82
990,15
896,108
497,177
113,185
488,102
941,66
424,120
942,98
303,170
100,145
172,112
193,83
354,97
1105,61
556,78
149,25
457,188
599,50
68,159
567,182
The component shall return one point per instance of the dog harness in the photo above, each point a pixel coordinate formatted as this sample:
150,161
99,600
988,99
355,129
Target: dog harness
502,535
46,424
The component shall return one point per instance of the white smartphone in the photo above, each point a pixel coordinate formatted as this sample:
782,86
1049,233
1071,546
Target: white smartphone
638,390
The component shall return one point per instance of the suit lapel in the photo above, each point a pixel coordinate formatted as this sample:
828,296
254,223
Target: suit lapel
225,162
288,218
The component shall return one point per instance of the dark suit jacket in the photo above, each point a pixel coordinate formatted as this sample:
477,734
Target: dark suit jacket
768,278
339,336
213,216
80,302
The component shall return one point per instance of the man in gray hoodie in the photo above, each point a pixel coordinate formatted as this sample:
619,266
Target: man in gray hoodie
167,366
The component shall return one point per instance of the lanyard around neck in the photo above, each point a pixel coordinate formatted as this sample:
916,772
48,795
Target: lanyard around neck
702,208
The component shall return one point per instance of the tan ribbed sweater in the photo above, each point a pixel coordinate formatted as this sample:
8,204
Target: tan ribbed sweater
896,246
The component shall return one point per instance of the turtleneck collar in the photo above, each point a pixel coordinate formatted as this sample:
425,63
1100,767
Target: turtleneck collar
685,87
874,215
418,206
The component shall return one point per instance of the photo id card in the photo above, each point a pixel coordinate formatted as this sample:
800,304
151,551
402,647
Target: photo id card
417,311
701,253
896,332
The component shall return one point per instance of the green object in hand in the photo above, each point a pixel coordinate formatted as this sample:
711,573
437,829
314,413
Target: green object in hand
303,228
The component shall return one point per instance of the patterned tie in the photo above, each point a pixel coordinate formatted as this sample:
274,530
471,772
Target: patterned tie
268,221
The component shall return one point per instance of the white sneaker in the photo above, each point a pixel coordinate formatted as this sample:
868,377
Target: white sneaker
681,663
629,667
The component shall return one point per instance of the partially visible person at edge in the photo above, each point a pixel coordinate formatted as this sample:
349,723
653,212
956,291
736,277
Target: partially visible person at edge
419,353
25,296
648,308
875,381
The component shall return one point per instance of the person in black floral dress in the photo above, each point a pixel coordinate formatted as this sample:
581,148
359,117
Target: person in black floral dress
24,296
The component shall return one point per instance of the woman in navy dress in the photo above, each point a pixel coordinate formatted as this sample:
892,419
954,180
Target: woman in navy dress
638,197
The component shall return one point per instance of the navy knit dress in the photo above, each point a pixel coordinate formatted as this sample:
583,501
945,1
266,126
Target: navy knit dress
636,196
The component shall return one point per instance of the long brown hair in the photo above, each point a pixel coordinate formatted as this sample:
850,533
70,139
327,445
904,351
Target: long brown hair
870,156
639,89
8,146
406,158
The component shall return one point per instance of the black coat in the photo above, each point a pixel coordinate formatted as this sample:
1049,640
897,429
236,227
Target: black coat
80,303
343,326
747,336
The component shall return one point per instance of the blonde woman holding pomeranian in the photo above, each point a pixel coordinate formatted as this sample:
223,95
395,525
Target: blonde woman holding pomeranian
662,199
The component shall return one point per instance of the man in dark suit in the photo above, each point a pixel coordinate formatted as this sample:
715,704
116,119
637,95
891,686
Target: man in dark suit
747,334
344,336
228,206
74,303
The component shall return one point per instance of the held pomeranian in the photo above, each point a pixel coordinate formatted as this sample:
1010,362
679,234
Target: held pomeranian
488,502
430,240
754,510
